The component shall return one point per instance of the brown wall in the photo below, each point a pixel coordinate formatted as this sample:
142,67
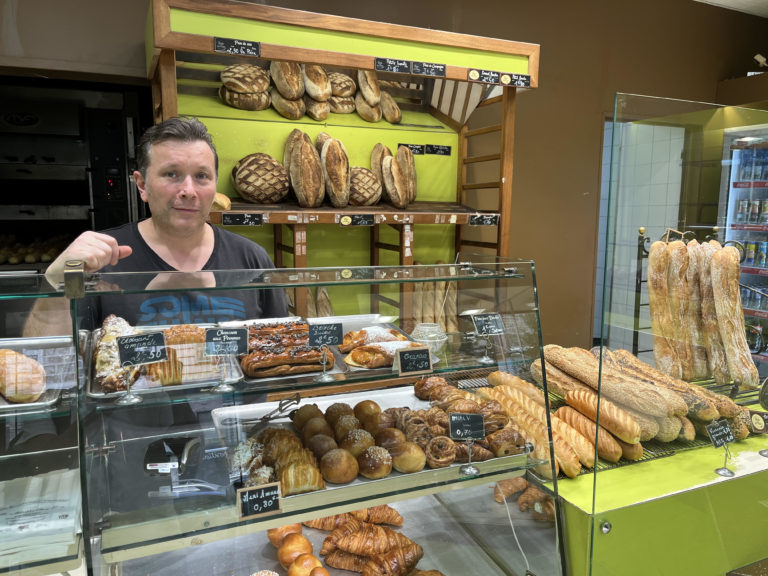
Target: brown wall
590,51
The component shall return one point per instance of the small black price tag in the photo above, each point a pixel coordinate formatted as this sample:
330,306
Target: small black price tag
488,324
484,220
236,47
357,220
518,80
327,334
355,274
438,149
466,426
259,500
413,361
241,219
720,433
226,341
759,422
137,349
484,76
428,69
416,149
392,65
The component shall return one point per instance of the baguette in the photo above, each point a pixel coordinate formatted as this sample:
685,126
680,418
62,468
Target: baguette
451,317
699,351
677,295
669,428
730,317
664,351
499,378
649,425
717,364
687,431
631,452
557,381
607,447
612,418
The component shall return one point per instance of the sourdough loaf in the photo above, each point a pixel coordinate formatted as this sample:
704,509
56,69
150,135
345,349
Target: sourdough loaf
260,178
664,351
253,101
378,153
316,83
291,109
315,109
405,159
389,108
365,110
342,104
307,174
342,84
717,364
368,84
395,182
364,187
245,78
698,349
336,172
677,295
287,78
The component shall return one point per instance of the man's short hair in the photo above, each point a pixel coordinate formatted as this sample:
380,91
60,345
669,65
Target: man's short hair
184,129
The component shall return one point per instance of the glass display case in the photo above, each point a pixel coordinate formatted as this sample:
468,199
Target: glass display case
186,428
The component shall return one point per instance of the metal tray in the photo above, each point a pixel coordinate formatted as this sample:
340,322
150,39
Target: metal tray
57,355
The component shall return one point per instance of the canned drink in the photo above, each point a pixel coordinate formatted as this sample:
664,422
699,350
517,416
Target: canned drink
743,214
756,302
754,213
762,254
750,255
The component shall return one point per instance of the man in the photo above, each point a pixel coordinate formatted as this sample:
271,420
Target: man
177,170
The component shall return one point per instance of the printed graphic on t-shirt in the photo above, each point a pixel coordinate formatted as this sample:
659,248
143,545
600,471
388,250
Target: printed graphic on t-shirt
190,309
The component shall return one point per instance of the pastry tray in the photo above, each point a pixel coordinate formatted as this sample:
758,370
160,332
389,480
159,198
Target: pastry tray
209,373
57,356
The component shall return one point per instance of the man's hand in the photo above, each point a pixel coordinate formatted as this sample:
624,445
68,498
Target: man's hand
94,249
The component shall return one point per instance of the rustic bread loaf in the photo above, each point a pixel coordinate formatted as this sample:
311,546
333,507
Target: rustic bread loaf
260,178
395,183
677,295
315,109
320,141
695,336
405,158
389,108
336,173
221,202
717,364
366,111
295,136
287,78
291,109
342,104
664,350
22,379
687,430
649,425
307,174
253,101
316,83
612,418
368,83
342,84
245,78
379,152
607,447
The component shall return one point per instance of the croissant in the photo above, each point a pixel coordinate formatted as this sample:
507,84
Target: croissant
295,456
328,523
396,562
383,514
531,497
346,561
373,539
479,454
350,526
279,445
505,488
297,478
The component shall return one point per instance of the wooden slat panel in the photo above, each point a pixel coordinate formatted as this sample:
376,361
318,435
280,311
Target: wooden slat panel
507,152
479,244
486,158
481,185
486,130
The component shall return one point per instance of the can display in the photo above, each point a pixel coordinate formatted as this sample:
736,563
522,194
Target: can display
742,215
754,212
764,212
761,255
751,248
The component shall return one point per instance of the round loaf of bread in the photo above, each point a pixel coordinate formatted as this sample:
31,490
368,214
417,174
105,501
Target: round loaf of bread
341,84
389,108
260,178
287,79
316,83
364,187
307,174
315,109
338,466
291,109
365,110
368,83
407,457
336,411
320,444
245,78
379,152
357,441
304,413
342,104
395,185
336,172
253,101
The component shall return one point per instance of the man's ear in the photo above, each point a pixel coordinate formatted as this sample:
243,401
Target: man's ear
141,185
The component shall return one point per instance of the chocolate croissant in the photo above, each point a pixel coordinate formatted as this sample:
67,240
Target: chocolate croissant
396,562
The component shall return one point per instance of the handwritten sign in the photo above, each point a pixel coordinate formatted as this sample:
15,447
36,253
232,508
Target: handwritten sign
259,500
759,421
438,149
488,324
357,220
413,361
484,76
137,349
392,65
326,334
519,80
428,69
416,149
236,47
484,220
466,426
720,433
226,341
241,219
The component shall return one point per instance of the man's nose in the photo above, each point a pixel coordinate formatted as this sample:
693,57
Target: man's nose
187,186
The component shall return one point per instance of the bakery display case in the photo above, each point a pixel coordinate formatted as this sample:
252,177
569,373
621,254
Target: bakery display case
202,441
40,495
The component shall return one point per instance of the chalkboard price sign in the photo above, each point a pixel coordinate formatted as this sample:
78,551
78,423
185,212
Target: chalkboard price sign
488,324
357,220
484,220
466,426
720,433
329,334
414,361
392,65
484,76
241,219
236,47
416,149
428,69
226,341
438,149
137,349
519,80
259,500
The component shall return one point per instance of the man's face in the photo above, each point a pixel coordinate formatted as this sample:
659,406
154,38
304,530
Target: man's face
180,185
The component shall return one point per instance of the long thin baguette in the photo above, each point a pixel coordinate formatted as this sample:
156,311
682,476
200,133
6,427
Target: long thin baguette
649,425
557,381
499,378
677,298
718,366
612,418
698,350
607,447
664,352
687,431
631,451
669,428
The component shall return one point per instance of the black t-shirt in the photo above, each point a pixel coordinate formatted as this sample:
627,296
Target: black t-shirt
230,252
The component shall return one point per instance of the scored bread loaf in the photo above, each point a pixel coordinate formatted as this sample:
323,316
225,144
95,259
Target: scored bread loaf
404,158
669,428
664,351
336,172
260,178
316,83
368,84
557,381
291,109
342,104
320,141
315,109
295,136
364,187
245,78
499,378
307,174
378,153
342,84
717,364
365,110
253,101
612,418
395,182
607,447
698,349
730,317
22,379
677,298
287,78
649,425
389,108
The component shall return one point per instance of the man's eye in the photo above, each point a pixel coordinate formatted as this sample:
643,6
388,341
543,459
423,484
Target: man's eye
170,174
204,176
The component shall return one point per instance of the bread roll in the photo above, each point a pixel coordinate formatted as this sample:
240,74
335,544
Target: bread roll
291,109
407,457
342,84
389,108
375,462
307,174
694,325
22,379
253,101
315,109
293,546
316,83
364,187
664,350
277,535
677,285
368,83
338,466
288,79
357,441
319,444
730,317
336,172
366,111
303,565
716,362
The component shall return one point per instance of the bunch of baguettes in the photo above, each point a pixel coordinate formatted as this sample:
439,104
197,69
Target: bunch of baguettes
696,314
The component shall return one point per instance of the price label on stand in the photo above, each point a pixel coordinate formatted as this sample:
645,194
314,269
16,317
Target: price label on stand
488,324
236,47
392,65
330,334
428,69
412,361
138,349
720,433
259,500
241,219
466,426
226,341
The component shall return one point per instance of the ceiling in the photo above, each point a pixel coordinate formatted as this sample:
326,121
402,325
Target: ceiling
756,7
